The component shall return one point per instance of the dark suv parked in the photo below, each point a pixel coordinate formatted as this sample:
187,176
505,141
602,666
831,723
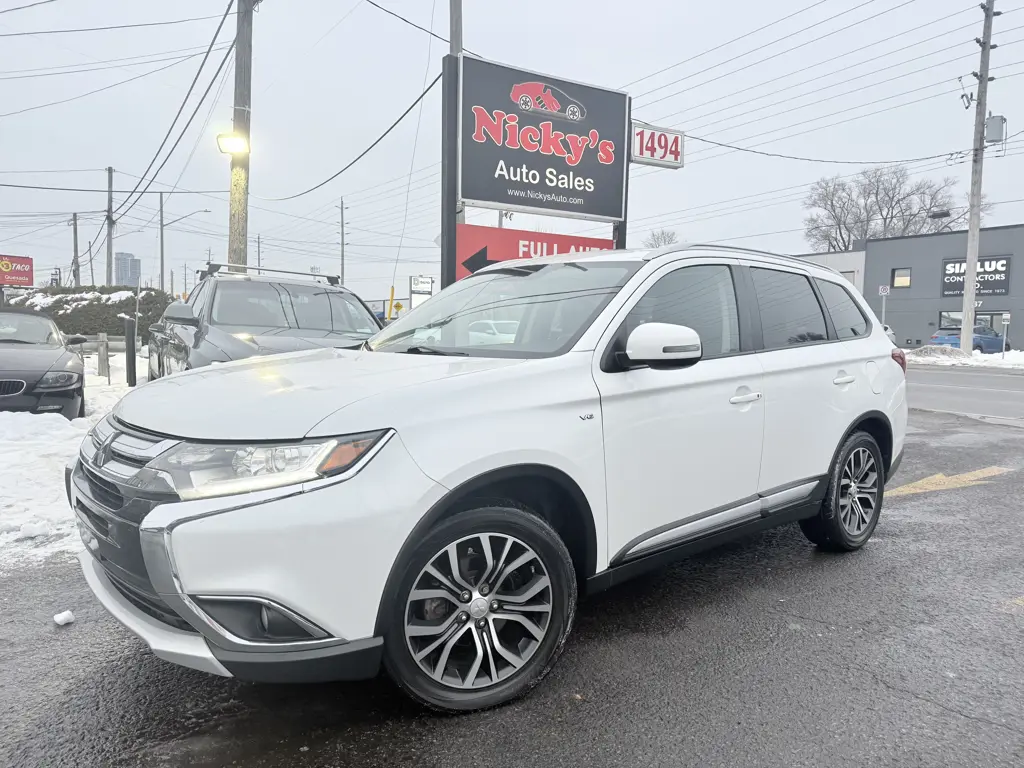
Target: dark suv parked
232,315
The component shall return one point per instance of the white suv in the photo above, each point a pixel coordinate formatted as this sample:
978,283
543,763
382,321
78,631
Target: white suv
438,506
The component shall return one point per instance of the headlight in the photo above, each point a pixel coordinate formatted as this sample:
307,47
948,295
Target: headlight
200,471
58,380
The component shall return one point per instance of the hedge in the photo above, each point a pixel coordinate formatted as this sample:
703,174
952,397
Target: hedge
93,310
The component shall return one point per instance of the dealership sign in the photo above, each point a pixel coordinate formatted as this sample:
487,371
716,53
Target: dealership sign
16,270
479,247
993,276
540,144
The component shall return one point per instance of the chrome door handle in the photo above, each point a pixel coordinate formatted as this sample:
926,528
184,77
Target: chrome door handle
740,399
844,380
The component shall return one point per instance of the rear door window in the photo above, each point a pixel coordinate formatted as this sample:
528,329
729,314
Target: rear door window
846,315
790,312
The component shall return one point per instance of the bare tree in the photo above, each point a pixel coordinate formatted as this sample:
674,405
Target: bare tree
659,237
878,202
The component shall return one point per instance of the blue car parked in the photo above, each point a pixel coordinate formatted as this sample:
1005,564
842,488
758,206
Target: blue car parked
985,339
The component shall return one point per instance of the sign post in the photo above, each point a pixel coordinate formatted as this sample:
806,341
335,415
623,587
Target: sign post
1006,332
883,291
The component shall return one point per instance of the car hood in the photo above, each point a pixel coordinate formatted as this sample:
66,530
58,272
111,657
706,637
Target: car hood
282,397
29,357
272,342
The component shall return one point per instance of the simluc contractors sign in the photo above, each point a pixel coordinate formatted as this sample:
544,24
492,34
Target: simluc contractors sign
993,276
541,144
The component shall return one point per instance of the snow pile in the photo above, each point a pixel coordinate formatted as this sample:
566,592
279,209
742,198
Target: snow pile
35,519
937,355
63,303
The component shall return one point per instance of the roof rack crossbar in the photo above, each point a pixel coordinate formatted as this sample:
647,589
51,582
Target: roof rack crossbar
213,267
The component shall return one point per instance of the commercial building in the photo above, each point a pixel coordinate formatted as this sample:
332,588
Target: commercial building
127,269
924,275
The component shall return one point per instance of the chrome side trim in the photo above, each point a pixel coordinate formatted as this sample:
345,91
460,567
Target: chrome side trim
784,498
748,511
303,622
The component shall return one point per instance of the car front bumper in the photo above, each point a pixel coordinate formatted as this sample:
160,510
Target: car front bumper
66,402
323,555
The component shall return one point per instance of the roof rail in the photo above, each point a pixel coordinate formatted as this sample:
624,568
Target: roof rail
754,251
213,268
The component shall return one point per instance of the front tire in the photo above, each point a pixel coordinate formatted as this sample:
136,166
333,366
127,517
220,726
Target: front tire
853,500
483,610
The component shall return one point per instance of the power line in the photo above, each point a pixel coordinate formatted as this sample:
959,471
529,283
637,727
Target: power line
192,117
723,45
422,29
30,5
91,93
99,69
803,69
104,191
774,55
817,159
191,49
362,154
184,101
105,29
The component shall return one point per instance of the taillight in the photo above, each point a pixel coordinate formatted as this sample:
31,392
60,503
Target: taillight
900,357
935,336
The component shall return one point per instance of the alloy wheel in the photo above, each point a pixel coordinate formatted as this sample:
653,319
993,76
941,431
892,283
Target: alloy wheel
478,611
858,491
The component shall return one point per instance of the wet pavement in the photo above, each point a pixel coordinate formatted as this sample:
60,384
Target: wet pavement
764,653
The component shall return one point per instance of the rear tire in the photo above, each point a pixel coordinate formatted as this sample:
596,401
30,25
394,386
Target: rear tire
979,348
482,660
853,500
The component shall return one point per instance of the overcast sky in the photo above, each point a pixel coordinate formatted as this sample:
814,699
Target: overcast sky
330,75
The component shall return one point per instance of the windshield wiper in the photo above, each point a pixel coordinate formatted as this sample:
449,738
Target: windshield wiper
419,349
16,341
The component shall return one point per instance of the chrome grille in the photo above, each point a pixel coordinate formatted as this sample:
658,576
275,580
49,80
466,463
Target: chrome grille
11,387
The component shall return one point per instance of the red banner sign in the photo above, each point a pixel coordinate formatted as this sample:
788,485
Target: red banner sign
16,270
478,247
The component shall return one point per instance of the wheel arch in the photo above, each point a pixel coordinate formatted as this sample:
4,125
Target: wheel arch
550,492
876,424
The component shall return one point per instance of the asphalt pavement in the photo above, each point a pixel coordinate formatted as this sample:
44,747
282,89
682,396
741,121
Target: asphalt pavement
993,394
764,653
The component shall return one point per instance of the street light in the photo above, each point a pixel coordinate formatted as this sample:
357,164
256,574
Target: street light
942,213
232,144
180,218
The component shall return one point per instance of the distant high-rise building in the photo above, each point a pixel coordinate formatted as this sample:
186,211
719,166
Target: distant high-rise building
127,269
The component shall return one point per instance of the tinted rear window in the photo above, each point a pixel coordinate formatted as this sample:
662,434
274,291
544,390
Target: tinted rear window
847,318
790,313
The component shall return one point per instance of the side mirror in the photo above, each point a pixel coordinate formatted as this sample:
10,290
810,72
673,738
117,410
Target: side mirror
180,313
74,340
663,345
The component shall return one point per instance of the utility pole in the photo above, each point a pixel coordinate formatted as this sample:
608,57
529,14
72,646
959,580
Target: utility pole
161,241
92,269
172,282
184,278
341,208
977,163
238,218
76,273
259,254
110,226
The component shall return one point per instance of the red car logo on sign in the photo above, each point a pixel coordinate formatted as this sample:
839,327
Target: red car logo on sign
548,99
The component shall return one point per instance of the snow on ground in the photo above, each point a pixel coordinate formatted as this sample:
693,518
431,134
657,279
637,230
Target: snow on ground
35,518
938,355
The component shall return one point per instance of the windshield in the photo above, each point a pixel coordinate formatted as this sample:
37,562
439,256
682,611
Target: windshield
527,310
27,329
313,307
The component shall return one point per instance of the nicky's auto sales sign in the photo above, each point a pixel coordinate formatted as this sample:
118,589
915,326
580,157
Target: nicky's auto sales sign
540,144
